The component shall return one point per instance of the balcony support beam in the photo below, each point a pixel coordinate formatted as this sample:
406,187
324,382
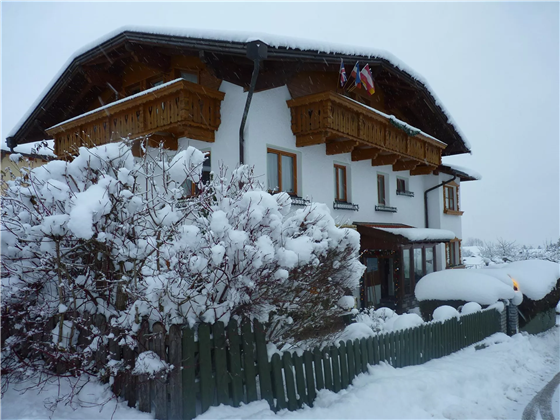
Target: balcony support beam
364,154
382,160
312,139
405,165
423,170
339,147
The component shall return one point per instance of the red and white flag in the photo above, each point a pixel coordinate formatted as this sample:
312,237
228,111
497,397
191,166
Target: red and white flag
367,79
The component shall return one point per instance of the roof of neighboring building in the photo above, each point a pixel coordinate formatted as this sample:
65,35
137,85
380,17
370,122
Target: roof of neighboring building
391,236
38,150
463,173
233,44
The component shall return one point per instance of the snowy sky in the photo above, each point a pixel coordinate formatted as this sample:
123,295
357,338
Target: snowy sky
495,66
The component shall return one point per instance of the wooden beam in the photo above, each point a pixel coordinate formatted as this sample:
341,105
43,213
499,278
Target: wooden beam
405,165
384,160
337,147
101,78
311,139
422,170
363,154
148,57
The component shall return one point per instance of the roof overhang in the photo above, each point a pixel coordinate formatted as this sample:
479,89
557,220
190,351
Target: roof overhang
387,236
31,129
462,175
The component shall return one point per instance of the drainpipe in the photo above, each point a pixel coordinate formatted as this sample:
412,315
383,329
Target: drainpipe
256,51
426,198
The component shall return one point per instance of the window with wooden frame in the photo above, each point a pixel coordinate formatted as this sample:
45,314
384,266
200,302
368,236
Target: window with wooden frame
190,187
401,185
281,171
340,191
154,81
453,253
381,197
134,89
451,199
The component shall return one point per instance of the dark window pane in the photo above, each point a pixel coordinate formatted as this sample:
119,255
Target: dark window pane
272,172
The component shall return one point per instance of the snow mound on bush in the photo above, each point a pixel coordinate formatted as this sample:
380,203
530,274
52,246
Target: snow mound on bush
469,285
149,363
470,308
444,313
404,321
357,330
536,278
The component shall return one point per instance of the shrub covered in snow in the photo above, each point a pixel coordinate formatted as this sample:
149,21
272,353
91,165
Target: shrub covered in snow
110,234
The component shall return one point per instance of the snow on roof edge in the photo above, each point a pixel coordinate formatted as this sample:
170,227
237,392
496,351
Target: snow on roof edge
421,234
28,148
236,36
469,172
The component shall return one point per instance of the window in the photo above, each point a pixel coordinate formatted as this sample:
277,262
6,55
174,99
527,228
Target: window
430,262
133,89
340,193
189,76
189,186
401,185
281,171
155,81
453,253
451,199
406,272
381,190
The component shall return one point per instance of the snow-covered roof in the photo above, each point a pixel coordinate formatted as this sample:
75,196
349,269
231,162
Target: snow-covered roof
35,148
464,173
421,234
275,41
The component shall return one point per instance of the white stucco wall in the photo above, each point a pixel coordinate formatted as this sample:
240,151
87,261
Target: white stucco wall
269,125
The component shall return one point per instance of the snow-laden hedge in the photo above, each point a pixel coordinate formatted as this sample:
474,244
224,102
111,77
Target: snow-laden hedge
107,233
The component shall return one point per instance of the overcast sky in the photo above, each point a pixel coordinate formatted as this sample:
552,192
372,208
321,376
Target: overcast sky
495,66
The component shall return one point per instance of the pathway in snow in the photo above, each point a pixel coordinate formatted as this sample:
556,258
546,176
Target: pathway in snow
542,402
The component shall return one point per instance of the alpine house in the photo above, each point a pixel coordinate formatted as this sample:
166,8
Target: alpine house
327,123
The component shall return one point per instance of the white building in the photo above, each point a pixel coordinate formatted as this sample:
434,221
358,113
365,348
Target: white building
372,157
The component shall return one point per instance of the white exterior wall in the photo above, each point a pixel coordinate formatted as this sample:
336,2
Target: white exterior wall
269,125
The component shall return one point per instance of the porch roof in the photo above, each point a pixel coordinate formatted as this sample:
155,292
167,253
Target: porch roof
392,236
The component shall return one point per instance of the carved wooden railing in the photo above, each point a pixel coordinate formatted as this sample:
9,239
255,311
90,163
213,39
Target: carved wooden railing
346,125
173,110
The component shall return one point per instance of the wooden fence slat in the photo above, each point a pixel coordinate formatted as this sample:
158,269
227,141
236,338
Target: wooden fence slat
290,381
319,375
300,380
159,384
249,370
144,401
335,357
220,362
188,376
375,347
234,359
369,344
344,374
263,366
310,377
363,355
278,382
351,355
131,386
325,355
175,387
382,356
205,359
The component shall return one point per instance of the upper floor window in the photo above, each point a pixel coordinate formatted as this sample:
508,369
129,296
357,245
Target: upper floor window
281,171
340,191
155,81
451,199
401,185
133,89
381,197
189,76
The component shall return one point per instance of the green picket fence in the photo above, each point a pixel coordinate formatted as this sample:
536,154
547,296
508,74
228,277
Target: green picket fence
230,365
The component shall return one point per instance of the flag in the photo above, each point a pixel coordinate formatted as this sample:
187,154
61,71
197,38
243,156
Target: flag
367,79
342,73
356,74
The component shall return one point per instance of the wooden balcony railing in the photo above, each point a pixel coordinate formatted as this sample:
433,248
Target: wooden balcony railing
175,109
347,126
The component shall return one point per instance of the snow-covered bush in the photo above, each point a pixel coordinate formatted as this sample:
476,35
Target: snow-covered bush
110,234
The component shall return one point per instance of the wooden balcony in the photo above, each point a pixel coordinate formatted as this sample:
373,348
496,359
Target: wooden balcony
165,113
347,126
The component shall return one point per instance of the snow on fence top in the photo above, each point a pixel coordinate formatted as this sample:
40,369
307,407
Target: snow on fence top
421,234
274,41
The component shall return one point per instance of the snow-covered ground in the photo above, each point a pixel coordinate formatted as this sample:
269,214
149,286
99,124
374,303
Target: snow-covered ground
495,382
